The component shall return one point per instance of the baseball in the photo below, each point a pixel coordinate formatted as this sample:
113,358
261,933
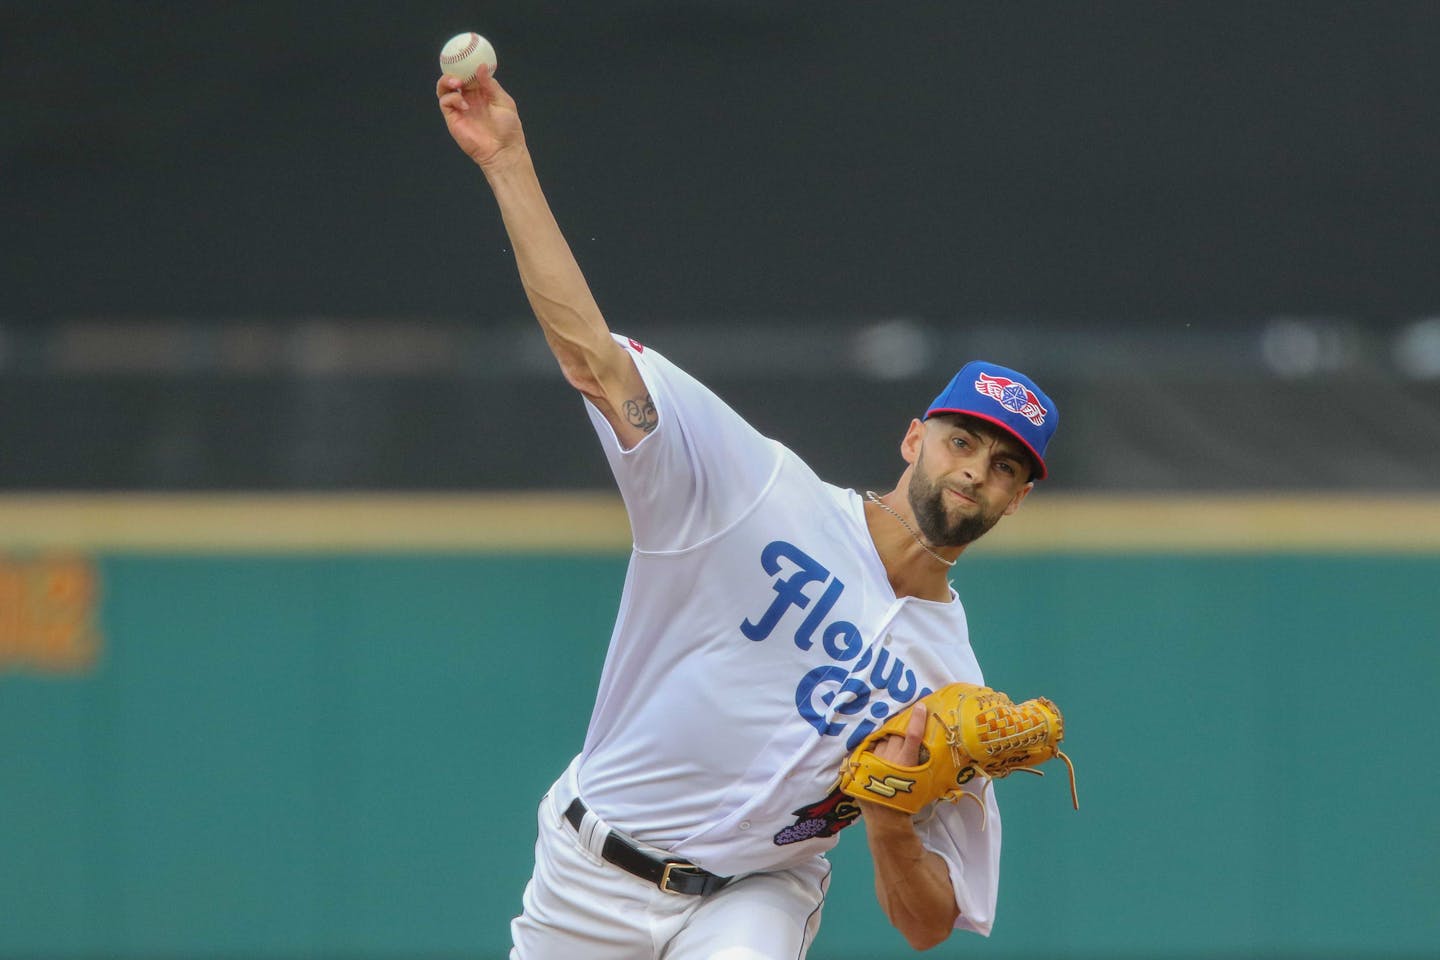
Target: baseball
463,54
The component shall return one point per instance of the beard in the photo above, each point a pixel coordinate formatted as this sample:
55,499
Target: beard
927,502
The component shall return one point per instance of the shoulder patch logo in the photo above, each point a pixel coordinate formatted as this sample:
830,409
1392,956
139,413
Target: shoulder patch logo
636,345
1015,397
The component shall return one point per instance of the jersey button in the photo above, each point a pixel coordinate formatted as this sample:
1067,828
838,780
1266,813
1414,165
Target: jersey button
744,824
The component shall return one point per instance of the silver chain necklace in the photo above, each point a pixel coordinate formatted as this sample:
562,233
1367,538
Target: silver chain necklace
874,498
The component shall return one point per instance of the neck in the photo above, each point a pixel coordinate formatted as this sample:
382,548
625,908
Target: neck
912,569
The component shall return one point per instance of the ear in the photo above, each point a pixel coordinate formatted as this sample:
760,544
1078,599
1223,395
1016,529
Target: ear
1020,496
914,438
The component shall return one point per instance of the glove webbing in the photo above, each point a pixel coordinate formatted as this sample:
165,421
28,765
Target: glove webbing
1001,737
998,739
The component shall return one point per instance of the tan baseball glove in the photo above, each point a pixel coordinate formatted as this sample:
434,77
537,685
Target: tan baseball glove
971,732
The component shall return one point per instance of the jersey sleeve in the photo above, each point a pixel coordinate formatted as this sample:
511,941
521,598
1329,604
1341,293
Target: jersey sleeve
698,472
972,856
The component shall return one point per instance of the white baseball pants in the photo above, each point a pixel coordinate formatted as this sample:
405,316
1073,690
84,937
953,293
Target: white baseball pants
579,907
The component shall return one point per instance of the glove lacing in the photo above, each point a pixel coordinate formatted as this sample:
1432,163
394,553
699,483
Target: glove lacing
958,757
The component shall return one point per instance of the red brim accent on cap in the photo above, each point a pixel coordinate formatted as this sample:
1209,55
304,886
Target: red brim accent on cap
1044,471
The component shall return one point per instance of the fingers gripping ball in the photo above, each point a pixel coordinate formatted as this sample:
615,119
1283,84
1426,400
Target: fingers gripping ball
464,54
972,731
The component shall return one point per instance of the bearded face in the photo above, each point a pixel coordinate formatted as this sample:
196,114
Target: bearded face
949,524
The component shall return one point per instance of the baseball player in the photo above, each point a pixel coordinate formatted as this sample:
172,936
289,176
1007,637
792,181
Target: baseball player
769,622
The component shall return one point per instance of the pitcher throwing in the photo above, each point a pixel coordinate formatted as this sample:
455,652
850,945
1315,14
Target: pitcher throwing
770,622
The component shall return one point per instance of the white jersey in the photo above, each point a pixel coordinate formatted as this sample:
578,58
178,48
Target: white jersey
758,641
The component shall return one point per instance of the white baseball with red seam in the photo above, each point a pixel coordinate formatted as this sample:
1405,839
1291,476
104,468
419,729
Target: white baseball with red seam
463,55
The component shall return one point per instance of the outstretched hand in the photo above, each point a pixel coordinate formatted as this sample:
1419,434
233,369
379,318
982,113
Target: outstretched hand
481,117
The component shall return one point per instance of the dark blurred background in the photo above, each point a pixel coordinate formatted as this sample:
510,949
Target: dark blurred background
240,250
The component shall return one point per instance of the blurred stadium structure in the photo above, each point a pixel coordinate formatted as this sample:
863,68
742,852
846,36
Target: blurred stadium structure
327,403
241,252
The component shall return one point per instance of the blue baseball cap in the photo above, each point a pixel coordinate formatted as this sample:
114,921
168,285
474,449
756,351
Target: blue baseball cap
1006,398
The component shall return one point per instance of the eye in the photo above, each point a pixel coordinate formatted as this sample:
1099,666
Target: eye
1005,467
960,442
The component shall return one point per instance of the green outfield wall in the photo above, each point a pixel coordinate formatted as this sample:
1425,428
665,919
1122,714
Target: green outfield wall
231,752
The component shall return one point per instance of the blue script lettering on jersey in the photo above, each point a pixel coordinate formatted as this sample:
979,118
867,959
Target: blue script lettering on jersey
828,692
789,591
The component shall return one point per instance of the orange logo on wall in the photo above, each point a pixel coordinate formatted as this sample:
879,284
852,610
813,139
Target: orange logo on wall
48,610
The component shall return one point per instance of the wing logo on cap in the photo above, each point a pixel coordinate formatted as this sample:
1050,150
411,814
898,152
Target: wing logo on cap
1015,397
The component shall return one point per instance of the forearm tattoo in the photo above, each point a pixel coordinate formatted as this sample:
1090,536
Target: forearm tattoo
640,413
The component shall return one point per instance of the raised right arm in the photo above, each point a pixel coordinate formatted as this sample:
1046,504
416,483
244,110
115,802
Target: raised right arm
484,123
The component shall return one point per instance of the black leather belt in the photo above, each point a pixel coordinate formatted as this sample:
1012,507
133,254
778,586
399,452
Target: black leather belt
672,876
